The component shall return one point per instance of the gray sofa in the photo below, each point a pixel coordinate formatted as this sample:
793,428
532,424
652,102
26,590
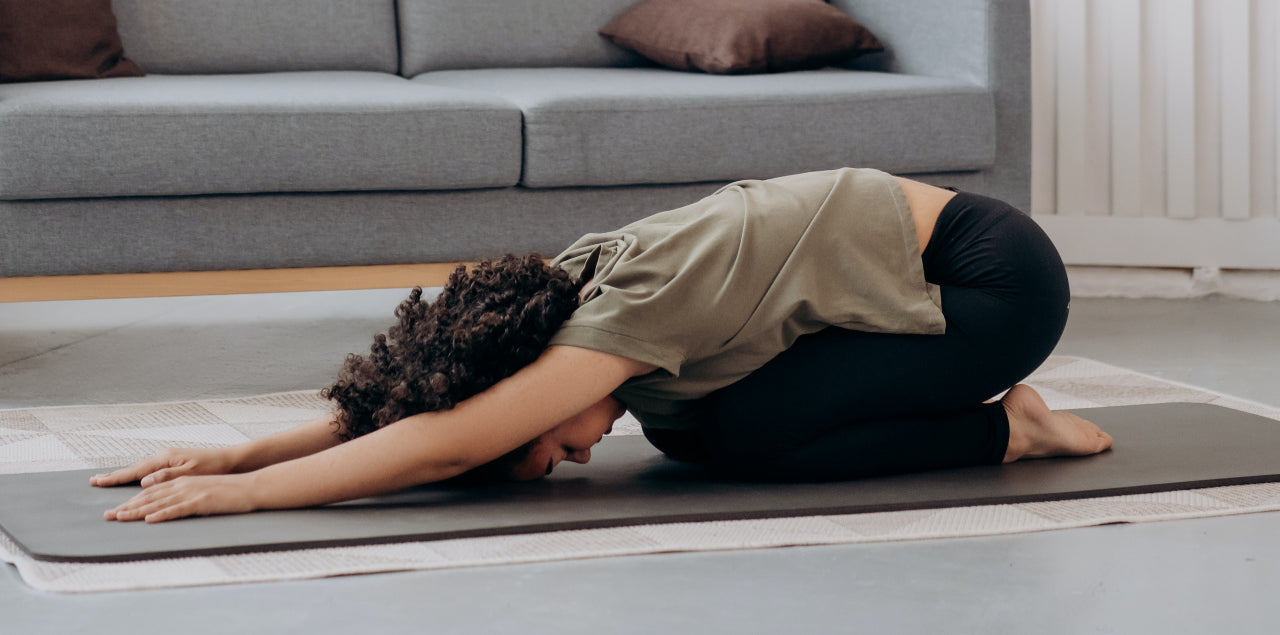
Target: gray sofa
292,133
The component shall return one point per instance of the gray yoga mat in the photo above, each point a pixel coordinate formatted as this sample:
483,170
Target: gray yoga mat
58,516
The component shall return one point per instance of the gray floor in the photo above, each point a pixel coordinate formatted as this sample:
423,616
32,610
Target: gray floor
1197,576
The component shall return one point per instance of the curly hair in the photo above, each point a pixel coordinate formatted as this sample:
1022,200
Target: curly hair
484,326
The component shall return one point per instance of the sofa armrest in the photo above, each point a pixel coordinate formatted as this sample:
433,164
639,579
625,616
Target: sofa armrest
986,42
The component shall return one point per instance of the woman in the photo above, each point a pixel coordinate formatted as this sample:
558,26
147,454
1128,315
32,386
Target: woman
817,326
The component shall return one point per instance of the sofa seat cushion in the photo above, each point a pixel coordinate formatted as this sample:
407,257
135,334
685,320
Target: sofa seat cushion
277,132
617,126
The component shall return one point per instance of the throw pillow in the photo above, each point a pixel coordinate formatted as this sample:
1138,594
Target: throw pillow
740,36
60,39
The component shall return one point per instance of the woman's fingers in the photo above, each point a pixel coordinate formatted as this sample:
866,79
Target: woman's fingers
158,476
166,466
145,499
173,512
138,508
131,474
187,496
154,469
139,512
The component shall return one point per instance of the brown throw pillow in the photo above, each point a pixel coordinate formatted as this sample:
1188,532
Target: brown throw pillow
740,36
60,39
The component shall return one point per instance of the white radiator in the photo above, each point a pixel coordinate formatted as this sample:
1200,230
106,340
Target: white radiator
1154,131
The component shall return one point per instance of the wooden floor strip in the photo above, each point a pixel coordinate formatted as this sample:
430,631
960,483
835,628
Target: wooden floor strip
145,285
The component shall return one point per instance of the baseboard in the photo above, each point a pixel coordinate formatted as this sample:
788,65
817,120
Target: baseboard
140,285
1173,283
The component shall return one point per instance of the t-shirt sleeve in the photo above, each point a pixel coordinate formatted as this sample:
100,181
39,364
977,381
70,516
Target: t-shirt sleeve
641,306
595,338
660,296
604,322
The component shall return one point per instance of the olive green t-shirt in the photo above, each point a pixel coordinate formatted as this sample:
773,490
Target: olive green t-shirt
711,291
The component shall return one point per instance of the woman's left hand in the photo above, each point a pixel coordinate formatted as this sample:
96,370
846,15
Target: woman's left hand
188,496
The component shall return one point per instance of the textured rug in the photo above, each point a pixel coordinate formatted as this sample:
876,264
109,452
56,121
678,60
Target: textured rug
77,437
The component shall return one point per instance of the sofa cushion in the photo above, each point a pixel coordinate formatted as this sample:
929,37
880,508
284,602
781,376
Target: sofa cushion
279,132
252,36
740,36
60,39
620,126
459,34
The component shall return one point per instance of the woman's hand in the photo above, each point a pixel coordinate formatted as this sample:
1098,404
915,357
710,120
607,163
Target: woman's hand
189,496
169,465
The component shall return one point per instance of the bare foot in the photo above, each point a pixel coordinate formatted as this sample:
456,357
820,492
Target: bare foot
1037,432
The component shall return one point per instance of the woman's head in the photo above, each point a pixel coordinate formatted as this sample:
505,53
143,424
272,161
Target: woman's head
570,441
485,325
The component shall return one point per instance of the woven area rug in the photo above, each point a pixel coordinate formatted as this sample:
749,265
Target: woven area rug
78,437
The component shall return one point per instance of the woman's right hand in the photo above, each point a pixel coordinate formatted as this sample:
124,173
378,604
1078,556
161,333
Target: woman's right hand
168,465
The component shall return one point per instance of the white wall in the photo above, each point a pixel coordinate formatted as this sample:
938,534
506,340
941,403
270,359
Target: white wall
1154,137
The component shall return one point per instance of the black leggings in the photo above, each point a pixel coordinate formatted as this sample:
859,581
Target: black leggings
842,404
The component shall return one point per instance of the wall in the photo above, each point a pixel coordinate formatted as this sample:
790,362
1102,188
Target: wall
1155,131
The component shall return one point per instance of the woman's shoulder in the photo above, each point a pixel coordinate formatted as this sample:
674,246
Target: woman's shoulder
829,178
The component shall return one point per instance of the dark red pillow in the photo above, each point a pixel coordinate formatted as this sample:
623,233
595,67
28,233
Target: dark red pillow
60,39
740,36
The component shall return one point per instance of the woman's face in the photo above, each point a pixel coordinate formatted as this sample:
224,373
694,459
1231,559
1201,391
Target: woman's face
571,440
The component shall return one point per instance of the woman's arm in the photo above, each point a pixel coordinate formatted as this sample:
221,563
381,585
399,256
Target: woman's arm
314,436
423,448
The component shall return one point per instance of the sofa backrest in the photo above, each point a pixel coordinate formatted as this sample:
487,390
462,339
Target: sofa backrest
458,34
250,36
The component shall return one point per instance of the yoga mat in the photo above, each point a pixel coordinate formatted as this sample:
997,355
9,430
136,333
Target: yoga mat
1160,447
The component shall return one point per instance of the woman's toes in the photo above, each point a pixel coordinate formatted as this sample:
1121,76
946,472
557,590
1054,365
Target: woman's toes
1106,441
1037,432
1081,436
